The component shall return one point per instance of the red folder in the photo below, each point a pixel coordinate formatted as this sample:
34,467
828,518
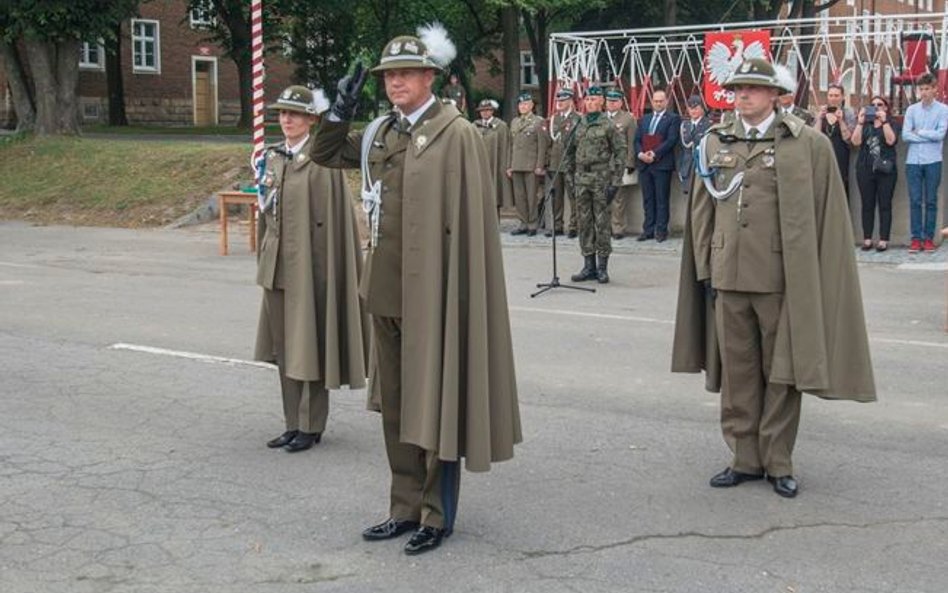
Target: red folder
651,142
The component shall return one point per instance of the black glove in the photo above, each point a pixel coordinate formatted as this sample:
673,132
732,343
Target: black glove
611,192
349,91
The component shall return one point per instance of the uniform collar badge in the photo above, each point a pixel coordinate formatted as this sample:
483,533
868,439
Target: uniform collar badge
421,141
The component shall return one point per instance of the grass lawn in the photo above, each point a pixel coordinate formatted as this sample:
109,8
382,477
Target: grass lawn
105,183
271,130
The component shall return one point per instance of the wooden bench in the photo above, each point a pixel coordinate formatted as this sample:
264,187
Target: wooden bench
226,198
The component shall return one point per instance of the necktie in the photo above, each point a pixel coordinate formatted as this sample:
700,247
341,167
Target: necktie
752,134
654,124
403,125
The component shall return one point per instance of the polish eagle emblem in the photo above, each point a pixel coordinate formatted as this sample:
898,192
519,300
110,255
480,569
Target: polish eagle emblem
723,61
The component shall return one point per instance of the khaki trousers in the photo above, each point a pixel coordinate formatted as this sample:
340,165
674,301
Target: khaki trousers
622,199
759,419
560,190
305,403
525,199
423,488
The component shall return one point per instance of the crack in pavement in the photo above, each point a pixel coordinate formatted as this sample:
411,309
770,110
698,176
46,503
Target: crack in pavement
592,549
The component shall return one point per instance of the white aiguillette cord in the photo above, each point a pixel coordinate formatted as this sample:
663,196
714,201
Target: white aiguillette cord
372,190
707,174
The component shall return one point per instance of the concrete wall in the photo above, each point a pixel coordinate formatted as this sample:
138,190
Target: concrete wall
900,204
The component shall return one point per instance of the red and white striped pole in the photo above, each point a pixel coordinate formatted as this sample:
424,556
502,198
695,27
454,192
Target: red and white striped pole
256,44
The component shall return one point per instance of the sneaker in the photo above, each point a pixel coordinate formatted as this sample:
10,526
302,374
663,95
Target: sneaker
916,246
929,245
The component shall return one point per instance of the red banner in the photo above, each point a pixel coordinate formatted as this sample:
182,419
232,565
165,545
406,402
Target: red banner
723,53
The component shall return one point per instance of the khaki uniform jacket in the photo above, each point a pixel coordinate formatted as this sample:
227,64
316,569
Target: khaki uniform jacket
496,137
528,140
821,344
625,124
459,391
309,248
560,128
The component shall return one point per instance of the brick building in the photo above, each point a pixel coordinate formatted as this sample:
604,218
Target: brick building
172,75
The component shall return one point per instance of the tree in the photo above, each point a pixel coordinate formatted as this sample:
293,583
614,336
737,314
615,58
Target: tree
113,77
51,32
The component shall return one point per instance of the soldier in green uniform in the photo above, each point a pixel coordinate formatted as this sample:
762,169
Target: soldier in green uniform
443,376
769,301
560,129
527,164
311,322
625,124
454,91
496,137
596,159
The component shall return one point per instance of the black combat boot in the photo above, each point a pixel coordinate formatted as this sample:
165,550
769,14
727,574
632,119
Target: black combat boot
588,272
602,276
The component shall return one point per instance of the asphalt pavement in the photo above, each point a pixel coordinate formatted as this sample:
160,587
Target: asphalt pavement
132,430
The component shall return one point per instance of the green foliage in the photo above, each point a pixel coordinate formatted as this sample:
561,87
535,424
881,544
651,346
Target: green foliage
62,20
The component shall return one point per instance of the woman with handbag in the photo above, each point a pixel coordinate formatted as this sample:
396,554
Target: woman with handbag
876,135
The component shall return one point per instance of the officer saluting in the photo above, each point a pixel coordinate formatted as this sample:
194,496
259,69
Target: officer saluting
434,284
596,159
768,255
311,323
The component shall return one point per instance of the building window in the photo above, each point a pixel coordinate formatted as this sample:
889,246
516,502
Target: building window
528,70
202,17
92,56
146,46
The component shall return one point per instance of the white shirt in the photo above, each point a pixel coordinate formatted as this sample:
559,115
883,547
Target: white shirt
296,147
415,115
762,127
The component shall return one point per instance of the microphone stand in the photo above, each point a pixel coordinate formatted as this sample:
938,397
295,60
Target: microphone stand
548,206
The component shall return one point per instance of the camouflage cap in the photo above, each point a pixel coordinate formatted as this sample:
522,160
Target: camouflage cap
614,95
300,99
403,52
756,72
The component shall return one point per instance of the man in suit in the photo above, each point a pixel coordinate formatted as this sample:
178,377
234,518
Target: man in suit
768,256
655,142
434,285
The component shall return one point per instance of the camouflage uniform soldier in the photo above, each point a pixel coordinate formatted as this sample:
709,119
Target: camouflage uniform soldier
560,128
625,124
596,158
527,156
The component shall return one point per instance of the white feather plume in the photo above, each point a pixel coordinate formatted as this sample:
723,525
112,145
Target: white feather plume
784,78
320,102
441,49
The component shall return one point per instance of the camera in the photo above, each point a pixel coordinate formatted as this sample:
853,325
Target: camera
831,109
870,113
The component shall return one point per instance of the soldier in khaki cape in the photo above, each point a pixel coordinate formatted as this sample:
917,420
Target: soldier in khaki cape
624,123
596,159
769,302
311,323
527,158
496,137
560,129
434,285
454,91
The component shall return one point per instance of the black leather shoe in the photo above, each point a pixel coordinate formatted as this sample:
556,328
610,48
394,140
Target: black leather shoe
388,529
520,231
548,233
532,233
618,236
282,440
785,486
644,237
559,232
302,441
425,539
571,234
729,478
660,237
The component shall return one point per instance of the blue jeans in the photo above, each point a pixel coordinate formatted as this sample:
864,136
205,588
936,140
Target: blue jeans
923,181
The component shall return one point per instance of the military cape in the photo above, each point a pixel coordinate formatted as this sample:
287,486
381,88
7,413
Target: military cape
326,332
821,346
459,391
